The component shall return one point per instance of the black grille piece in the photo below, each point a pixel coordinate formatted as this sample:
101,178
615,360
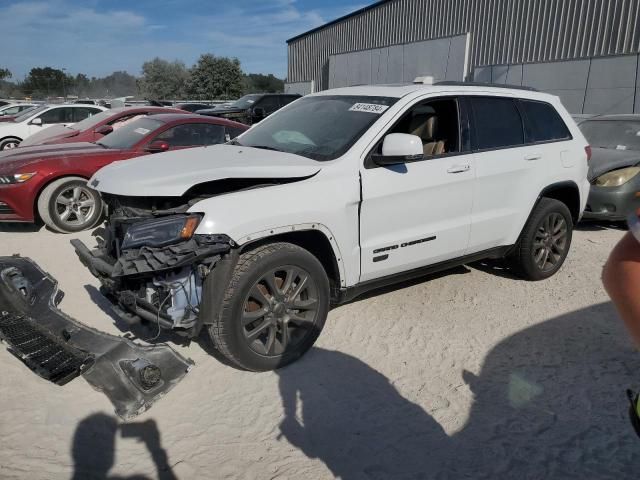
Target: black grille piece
6,210
46,355
59,349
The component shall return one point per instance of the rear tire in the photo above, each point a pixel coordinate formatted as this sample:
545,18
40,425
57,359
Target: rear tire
68,205
545,241
274,307
10,143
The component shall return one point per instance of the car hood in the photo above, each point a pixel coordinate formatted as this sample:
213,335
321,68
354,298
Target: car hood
604,160
171,174
18,158
54,132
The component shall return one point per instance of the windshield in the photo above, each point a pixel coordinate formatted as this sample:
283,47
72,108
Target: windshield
130,134
29,113
612,134
91,121
245,102
321,128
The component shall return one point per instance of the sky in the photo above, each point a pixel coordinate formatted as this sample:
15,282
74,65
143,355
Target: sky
97,37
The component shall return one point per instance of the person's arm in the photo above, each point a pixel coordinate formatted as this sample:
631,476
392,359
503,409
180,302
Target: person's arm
621,278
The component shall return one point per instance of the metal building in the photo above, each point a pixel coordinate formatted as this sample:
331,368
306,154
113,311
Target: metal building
585,51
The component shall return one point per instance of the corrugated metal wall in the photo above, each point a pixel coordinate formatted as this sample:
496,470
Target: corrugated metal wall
502,31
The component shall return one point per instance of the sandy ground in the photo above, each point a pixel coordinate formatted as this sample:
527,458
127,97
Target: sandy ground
469,374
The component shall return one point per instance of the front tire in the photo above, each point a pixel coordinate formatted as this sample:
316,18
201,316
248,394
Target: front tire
274,307
545,241
68,205
9,143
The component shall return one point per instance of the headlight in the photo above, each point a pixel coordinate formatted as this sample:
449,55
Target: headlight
617,177
160,232
17,178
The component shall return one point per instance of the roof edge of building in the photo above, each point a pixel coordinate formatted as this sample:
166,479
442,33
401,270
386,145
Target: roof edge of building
338,20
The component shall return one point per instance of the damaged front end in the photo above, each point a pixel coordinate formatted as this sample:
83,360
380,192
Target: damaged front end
152,265
59,349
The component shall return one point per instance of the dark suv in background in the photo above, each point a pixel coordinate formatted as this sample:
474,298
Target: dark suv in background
252,108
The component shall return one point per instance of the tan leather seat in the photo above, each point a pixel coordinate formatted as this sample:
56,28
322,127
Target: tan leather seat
426,127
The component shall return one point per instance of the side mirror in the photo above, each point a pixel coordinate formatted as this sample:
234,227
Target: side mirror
259,112
399,148
157,147
104,130
37,121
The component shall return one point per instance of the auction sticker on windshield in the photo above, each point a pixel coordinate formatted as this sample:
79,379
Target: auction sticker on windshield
368,108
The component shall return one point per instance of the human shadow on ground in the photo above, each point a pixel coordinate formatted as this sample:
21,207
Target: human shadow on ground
549,402
93,449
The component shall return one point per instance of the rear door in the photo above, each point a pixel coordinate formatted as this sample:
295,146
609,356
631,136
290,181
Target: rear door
419,213
54,116
512,166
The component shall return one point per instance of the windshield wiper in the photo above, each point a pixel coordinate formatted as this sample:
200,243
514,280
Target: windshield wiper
264,147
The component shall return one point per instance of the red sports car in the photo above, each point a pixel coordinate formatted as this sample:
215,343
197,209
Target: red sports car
49,182
93,128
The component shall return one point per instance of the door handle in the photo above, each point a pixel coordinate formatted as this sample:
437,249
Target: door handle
532,157
459,169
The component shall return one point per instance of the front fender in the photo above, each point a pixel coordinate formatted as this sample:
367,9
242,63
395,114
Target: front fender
328,204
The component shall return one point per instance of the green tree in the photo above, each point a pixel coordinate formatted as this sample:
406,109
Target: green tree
163,80
259,83
47,81
4,73
215,77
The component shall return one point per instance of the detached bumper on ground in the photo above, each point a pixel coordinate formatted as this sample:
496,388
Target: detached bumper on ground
59,349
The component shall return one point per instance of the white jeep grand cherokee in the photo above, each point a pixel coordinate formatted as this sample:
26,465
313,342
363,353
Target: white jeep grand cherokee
339,192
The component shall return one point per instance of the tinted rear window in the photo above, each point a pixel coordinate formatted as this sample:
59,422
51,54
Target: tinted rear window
543,124
497,123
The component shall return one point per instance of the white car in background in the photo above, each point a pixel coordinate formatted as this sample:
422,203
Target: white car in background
33,121
14,109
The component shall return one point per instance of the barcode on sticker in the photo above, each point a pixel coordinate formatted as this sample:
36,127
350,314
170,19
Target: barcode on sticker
368,108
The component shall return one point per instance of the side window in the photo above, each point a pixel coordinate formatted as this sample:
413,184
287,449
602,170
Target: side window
542,122
497,123
269,103
436,123
80,114
193,135
57,115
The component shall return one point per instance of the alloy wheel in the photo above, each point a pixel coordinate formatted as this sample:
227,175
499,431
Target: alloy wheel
75,206
550,242
280,310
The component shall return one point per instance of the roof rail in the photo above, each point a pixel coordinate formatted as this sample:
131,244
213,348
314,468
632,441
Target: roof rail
485,84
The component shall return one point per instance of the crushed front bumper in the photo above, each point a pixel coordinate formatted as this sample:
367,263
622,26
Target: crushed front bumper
59,349
613,203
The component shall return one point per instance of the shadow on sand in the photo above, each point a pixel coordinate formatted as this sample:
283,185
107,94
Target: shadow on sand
548,403
94,442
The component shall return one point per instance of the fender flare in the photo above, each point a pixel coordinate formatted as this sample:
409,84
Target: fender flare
302,227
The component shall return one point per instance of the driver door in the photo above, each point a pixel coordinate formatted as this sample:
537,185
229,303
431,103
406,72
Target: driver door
55,116
419,213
